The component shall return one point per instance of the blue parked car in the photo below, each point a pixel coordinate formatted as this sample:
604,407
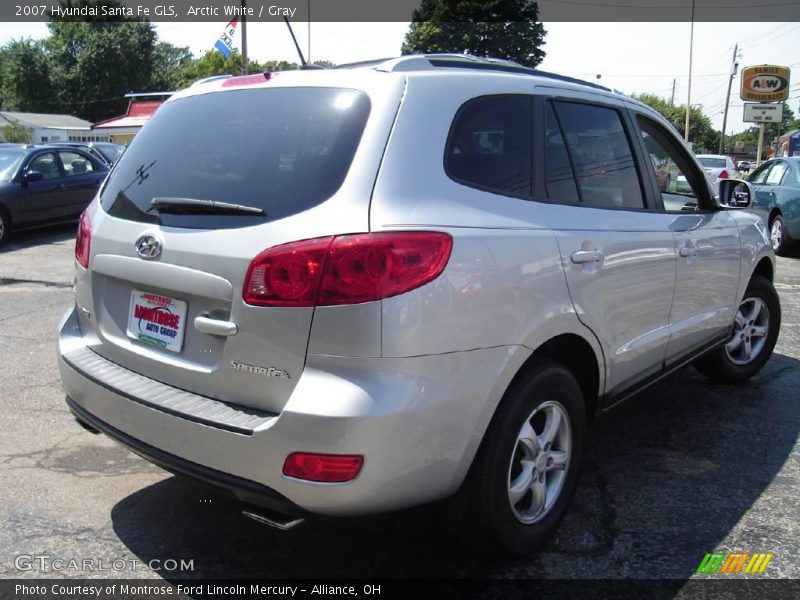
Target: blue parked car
777,200
43,184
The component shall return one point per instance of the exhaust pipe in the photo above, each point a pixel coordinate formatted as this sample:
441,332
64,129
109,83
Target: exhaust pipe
276,522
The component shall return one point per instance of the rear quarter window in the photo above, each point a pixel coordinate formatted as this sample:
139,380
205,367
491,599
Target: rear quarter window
283,150
490,145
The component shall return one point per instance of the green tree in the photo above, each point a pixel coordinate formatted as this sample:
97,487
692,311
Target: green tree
168,64
702,135
25,77
510,31
16,133
93,64
213,63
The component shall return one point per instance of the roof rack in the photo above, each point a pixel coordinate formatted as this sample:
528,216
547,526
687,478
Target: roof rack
426,62
211,78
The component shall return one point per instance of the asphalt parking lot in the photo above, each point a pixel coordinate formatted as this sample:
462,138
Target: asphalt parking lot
687,468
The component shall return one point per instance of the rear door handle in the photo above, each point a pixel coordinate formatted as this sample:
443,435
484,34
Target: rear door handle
580,257
687,251
206,324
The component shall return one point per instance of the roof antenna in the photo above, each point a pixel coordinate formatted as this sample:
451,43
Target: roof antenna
294,39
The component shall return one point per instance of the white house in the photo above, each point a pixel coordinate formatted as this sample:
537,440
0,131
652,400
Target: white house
52,128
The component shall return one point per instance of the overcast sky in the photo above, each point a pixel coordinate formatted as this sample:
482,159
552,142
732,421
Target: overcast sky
630,57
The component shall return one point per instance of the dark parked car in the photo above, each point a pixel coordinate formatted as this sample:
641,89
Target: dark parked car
777,200
43,184
106,152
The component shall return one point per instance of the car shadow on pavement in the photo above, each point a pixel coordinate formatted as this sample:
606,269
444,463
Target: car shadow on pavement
667,477
31,238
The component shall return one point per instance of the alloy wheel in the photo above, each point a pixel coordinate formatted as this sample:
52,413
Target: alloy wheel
776,233
750,329
539,462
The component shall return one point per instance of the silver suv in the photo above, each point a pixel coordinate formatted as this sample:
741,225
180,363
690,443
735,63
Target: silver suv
353,290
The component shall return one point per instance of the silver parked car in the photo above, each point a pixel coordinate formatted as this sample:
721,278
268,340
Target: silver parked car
353,290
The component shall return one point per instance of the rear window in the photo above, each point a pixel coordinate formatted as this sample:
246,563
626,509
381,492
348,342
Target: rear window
712,163
282,150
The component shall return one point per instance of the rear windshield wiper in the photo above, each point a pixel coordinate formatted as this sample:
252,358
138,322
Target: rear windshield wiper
197,206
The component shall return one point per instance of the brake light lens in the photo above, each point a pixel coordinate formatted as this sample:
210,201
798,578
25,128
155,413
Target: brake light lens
723,174
83,240
346,269
324,468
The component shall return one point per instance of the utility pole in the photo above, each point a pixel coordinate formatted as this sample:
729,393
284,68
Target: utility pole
672,98
734,65
689,94
244,39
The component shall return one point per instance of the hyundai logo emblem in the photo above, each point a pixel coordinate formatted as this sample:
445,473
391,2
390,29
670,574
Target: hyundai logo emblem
148,246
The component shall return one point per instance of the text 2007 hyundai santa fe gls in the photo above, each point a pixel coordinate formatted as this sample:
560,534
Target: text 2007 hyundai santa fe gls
347,291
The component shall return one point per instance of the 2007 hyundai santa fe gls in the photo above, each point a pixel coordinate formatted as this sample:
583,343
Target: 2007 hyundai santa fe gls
352,290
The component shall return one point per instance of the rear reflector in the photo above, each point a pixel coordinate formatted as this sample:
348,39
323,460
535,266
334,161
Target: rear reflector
83,240
346,269
325,468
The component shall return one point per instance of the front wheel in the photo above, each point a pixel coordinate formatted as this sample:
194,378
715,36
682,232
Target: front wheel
752,339
525,473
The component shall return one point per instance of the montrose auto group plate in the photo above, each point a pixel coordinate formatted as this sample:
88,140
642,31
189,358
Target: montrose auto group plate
158,320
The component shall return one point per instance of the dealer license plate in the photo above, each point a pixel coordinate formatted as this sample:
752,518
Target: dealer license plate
158,320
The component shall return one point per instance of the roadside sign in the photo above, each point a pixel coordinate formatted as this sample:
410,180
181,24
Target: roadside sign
765,83
763,113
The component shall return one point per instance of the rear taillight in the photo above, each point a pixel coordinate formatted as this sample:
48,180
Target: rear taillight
346,269
83,240
325,468
723,174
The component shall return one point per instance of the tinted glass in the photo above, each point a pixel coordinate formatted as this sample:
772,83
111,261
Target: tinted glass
490,145
283,150
75,164
559,178
602,156
9,161
713,163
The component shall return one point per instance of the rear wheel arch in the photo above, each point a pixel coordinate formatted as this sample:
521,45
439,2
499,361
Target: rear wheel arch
578,356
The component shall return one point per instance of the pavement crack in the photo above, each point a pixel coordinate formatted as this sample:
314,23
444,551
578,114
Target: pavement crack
15,281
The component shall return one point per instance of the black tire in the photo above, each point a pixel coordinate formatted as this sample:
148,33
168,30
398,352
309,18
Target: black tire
5,227
481,514
731,362
777,235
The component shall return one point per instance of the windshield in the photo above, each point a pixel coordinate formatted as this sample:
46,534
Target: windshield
9,160
282,150
111,152
712,163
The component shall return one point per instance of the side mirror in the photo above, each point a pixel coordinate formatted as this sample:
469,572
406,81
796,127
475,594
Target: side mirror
31,176
734,193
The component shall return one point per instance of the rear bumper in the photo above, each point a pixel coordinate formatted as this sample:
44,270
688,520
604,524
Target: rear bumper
417,421
247,491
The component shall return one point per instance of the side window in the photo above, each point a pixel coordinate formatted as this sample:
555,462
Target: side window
74,163
678,193
759,176
776,173
601,155
491,145
46,164
558,176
